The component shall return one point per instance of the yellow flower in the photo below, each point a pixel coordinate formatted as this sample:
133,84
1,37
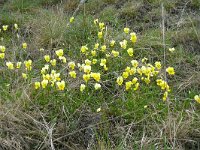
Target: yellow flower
136,86
2,48
132,71
86,77
59,52
130,51
94,53
24,45
158,65
87,69
170,70
37,85
41,49
105,67
10,65
96,46
28,64
147,80
120,80
101,25
84,49
115,53
197,98
63,59
112,43
103,62
126,30
47,58
24,75
82,87
16,26
94,61
96,21
72,74
97,86
123,44
71,19
71,65
144,60
128,85
100,34
134,63
99,109
172,49
134,81
165,95
133,37
88,62
5,27
53,62
18,65
103,48
2,55
96,76
61,85
46,77
125,75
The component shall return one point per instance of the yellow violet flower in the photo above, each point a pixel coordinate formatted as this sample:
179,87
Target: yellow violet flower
71,65
134,63
197,98
96,76
170,70
99,109
47,58
105,67
158,65
128,85
134,81
86,77
126,30
59,52
53,62
2,55
84,49
112,43
136,86
103,62
94,53
101,25
133,37
18,65
165,95
94,61
63,59
130,51
100,34
120,80
123,44
37,85
103,48
96,21
5,27
10,65
28,64
44,83
46,77
16,26
61,85
24,45
144,59
2,48
97,86
125,75
115,53
96,46
82,87
71,19
24,75
172,49
87,69
88,62
72,74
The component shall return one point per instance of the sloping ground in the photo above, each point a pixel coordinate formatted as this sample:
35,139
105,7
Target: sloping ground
30,121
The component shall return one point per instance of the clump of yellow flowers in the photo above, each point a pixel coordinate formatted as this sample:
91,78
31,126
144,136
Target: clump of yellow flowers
106,56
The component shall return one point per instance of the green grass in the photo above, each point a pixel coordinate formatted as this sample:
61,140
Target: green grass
128,119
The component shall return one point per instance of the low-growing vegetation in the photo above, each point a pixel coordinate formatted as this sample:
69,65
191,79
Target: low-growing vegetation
99,74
